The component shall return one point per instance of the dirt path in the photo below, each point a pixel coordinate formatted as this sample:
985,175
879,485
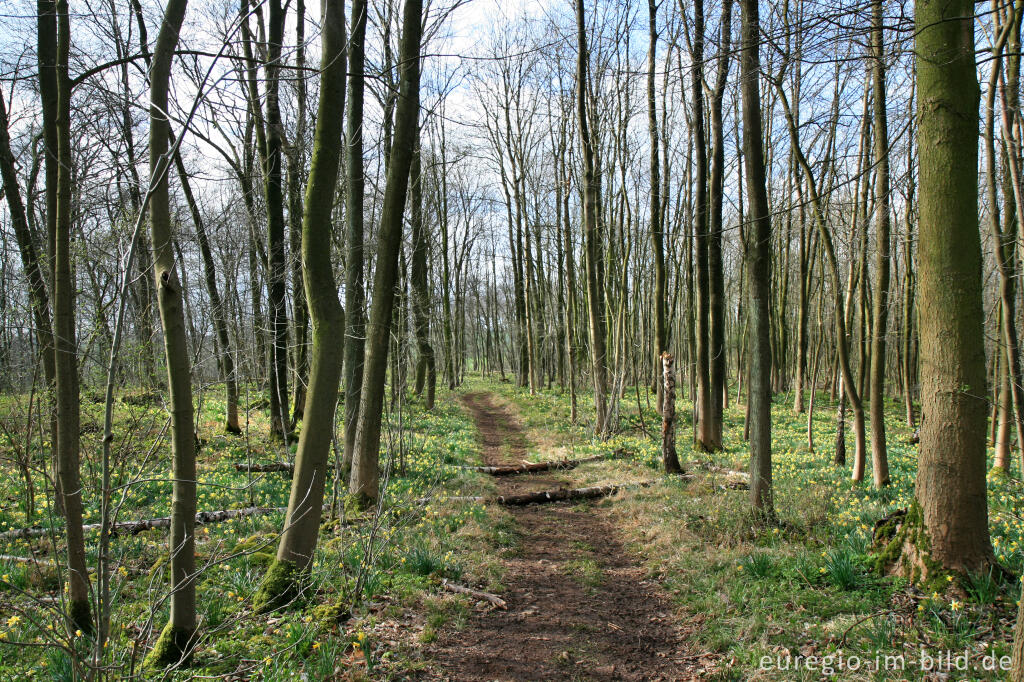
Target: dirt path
580,608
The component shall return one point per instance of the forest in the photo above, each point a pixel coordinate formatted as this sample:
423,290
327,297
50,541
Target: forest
511,340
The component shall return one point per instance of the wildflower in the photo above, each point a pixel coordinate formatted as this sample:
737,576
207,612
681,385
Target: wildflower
316,645
13,620
955,605
78,633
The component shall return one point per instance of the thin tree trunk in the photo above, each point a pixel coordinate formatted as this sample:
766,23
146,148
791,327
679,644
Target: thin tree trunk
355,317
365,465
879,456
758,256
592,237
178,637
302,522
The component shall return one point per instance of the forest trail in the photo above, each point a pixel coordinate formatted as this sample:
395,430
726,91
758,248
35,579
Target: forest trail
579,606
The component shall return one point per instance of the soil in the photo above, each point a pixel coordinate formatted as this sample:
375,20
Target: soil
579,606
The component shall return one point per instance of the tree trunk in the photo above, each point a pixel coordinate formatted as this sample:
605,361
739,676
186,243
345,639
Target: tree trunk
668,416
716,274
276,265
355,316
66,347
657,214
879,456
758,257
951,487
178,637
365,464
426,371
302,522
592,237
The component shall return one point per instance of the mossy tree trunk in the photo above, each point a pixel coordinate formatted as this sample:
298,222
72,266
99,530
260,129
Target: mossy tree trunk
177,640
951,487
302,522
365,463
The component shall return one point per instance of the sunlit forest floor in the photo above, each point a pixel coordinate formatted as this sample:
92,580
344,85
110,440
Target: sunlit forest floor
734,592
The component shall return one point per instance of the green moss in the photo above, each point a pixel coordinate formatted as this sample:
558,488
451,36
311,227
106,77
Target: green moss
355,505
903,547
80,615
254,543
174,646
327,616
280,586
158,566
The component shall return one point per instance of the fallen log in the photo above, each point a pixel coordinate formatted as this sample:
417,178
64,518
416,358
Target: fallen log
565,494
26,560
494,599
532,467
266,468
136,527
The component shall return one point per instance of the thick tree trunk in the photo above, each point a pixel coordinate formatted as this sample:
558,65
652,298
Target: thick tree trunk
951,488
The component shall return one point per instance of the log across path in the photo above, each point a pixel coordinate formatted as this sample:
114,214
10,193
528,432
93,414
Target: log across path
577,604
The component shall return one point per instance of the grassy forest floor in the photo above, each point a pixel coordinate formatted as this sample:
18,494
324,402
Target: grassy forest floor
669,581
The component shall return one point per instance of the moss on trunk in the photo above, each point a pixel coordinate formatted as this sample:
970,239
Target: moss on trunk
902,547
174,646
80,615
280,587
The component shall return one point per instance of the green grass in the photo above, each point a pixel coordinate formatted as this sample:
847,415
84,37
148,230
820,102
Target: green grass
803,585
400,560
747,590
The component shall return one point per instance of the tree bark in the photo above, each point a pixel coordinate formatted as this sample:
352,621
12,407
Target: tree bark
758,262
879,455
355,299
178,637
302,522
591,234
365,464
951,487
